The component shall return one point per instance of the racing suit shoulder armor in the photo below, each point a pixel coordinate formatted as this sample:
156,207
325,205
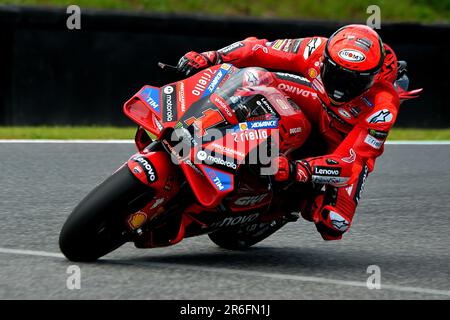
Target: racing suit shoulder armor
386,104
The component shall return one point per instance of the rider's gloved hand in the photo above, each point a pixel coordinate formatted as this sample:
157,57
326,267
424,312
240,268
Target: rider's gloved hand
299,170
303,171
192,61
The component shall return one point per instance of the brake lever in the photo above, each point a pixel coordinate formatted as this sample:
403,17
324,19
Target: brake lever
167,66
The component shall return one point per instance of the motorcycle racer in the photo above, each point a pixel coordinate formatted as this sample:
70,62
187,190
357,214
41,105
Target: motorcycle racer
347,85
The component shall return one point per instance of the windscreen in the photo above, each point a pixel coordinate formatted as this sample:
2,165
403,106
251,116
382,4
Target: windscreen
239,93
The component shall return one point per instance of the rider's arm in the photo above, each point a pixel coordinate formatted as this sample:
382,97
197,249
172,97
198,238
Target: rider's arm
279,54
363,144
292,55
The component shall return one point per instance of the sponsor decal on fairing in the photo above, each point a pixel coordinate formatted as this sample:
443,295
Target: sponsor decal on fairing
294,131
250,200
136,220
221,103
158,124
181,97
203,82
226,66
249,135
263,103
169,97
312,73
157,203
151,97
148,168
209,159
216,81
221,180
234,221
265,124
226,150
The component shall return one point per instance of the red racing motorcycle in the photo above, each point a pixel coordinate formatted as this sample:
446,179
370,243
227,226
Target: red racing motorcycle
202,167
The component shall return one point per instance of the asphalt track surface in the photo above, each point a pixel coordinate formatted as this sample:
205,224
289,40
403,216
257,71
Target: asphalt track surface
402,226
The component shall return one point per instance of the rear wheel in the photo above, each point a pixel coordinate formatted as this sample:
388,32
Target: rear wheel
97,225
243,237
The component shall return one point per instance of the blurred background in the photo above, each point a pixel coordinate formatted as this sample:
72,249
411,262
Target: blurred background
50,75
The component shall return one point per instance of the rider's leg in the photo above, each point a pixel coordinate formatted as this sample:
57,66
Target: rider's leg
333,210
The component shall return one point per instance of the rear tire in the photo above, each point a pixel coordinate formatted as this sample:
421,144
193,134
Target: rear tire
97,225
240,239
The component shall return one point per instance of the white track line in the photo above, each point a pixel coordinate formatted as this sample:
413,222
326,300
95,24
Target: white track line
31,253
245,273
88,141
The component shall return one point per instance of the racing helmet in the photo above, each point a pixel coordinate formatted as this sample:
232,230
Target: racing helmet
353,56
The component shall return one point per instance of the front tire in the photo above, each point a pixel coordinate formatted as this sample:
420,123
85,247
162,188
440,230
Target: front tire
97,225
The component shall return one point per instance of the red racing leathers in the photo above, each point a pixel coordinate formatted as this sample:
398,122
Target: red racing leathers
354,132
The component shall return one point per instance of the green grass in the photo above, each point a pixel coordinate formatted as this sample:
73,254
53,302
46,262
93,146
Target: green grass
419,134
48,132
344,10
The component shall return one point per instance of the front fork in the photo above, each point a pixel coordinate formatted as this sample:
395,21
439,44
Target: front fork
152,166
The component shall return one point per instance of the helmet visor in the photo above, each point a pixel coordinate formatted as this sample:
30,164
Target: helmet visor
343,85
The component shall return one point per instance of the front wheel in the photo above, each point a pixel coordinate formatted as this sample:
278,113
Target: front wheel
97,225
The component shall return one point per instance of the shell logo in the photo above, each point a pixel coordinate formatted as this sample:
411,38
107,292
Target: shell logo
312,73
243,126
136,220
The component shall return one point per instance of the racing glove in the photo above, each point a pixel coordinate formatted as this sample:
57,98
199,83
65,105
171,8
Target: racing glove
299,170
192,61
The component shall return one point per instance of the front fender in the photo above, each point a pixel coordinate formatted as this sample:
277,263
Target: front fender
154,169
